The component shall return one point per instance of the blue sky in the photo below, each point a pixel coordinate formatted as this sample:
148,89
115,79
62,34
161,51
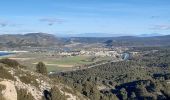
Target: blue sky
85,16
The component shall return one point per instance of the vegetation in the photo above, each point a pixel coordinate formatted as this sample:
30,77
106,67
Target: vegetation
73,60
22,94
10,63
4,74
142,77
41,68
53,94
57,69
29,79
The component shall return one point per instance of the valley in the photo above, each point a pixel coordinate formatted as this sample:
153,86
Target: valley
96,70
85,50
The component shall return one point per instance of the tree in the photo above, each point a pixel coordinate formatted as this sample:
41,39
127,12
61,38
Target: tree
41,68
123,94
90,90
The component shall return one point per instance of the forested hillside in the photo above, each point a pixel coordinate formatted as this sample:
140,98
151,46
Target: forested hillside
144,76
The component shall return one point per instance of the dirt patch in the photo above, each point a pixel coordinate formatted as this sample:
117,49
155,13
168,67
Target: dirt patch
59,65
21,59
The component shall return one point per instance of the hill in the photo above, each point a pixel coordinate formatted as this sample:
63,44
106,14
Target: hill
43,39
139,41
18,83
30,39
144,77
94,35
125,40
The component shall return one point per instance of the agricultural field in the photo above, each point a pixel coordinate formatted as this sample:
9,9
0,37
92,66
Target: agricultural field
53,63
66,63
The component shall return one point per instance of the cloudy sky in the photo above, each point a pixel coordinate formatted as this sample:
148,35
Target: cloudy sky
85,16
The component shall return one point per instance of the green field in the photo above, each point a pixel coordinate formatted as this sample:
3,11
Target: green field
57,63
72,60
67,63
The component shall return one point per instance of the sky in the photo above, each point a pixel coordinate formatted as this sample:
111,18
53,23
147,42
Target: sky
129,17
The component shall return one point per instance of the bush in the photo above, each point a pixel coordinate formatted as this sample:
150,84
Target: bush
22,94
56,94
90,90
5,74
166,90
41,68
29,80
123,94
10,63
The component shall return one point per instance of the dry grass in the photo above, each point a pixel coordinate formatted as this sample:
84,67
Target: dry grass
4,74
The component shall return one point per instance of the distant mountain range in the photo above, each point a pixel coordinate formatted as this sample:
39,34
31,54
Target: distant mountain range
126,40
150,35
105,35
139,41
94,35
47,40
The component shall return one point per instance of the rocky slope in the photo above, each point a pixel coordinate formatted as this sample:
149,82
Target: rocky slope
17,83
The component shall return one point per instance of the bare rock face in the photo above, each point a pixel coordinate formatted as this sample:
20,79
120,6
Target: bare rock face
10,92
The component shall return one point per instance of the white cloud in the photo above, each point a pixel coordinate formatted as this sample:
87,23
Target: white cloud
52,21
161,27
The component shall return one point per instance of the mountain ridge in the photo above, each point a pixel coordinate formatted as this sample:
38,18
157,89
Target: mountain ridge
29,39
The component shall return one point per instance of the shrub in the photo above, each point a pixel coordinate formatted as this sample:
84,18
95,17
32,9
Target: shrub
56,94
29,80
5,74
91,91
109,96
123,94
41,68
10,63
22,94
166,90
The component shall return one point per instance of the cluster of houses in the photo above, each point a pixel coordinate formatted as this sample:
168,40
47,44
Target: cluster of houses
90,53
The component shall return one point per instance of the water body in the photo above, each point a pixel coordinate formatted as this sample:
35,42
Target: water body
5,53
